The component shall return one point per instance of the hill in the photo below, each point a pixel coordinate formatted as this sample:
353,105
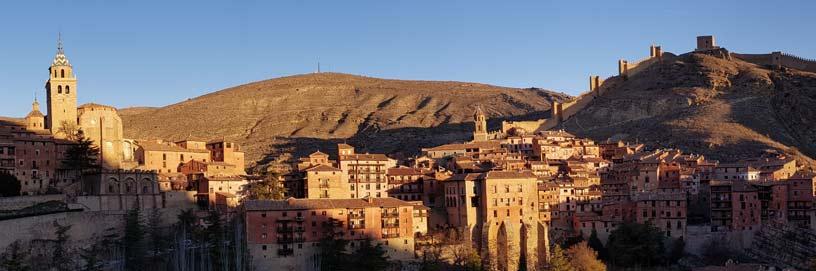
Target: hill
304,113
711,103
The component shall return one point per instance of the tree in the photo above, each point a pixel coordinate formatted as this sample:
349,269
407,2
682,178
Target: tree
432,258
372,257
90,256
584,258
633,244
596,244
60,259
214,235
559,260
270,188
82,155
9,185
69,129
333,255
158,241
677,251
717,252
133,240
463,255
15,258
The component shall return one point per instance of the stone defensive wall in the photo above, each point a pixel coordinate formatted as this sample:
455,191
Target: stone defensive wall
779,59
563,111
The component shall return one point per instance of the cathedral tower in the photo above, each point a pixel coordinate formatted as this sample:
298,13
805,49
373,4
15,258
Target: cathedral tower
480,131
62,97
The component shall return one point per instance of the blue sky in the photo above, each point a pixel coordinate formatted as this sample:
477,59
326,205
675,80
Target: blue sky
155,53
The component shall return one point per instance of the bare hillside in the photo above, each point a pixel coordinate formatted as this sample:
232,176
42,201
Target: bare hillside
306,112
712,104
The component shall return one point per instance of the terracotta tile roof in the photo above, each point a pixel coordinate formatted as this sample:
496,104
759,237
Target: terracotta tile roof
462,146
466,177
365,157
306,204
168,147
318,153
96,106
803,175
510,175
323,168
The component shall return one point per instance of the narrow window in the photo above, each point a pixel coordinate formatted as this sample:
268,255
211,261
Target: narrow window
59,89
62,73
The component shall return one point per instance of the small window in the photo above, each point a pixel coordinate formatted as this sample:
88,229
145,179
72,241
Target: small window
62,73
67,89
59,89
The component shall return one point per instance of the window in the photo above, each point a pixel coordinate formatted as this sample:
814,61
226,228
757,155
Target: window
62,73
67,89
59,89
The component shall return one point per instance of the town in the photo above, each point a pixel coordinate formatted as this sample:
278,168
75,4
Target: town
518,198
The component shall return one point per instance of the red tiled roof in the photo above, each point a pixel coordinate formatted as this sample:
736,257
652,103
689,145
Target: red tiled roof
306,204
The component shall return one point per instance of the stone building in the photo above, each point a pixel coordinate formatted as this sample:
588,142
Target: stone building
326,182
366,172
735,206
498,212
284,235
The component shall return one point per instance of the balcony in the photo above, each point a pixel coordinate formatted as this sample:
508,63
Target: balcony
390,225
299,229
390,214
390,235
299,239
285,239
285,229
285,251
323,185
356,216
356,226
299,218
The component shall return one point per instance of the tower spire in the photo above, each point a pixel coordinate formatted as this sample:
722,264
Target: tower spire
59,44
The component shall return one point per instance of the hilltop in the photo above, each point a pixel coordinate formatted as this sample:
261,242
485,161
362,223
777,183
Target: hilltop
307,112
707,103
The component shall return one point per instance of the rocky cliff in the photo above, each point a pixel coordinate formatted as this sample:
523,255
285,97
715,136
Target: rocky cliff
707,103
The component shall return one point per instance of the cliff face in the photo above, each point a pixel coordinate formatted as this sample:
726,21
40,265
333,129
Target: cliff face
308,112
722,107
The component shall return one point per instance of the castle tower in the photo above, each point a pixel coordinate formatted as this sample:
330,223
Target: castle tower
480,121
62,97
35,120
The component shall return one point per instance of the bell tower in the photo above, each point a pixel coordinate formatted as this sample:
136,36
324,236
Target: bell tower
480,129
61,93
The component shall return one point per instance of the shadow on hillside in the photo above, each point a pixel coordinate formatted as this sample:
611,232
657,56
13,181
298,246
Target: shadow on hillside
397,142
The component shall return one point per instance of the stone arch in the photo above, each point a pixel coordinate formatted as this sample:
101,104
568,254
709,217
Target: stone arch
528,245
543,242
130,186
507,240
489,248
114,187
147,186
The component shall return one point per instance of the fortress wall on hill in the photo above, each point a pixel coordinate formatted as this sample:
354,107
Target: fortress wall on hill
779,59
799,63
759,59
640,65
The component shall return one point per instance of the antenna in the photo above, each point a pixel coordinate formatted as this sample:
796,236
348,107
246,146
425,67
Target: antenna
318,66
